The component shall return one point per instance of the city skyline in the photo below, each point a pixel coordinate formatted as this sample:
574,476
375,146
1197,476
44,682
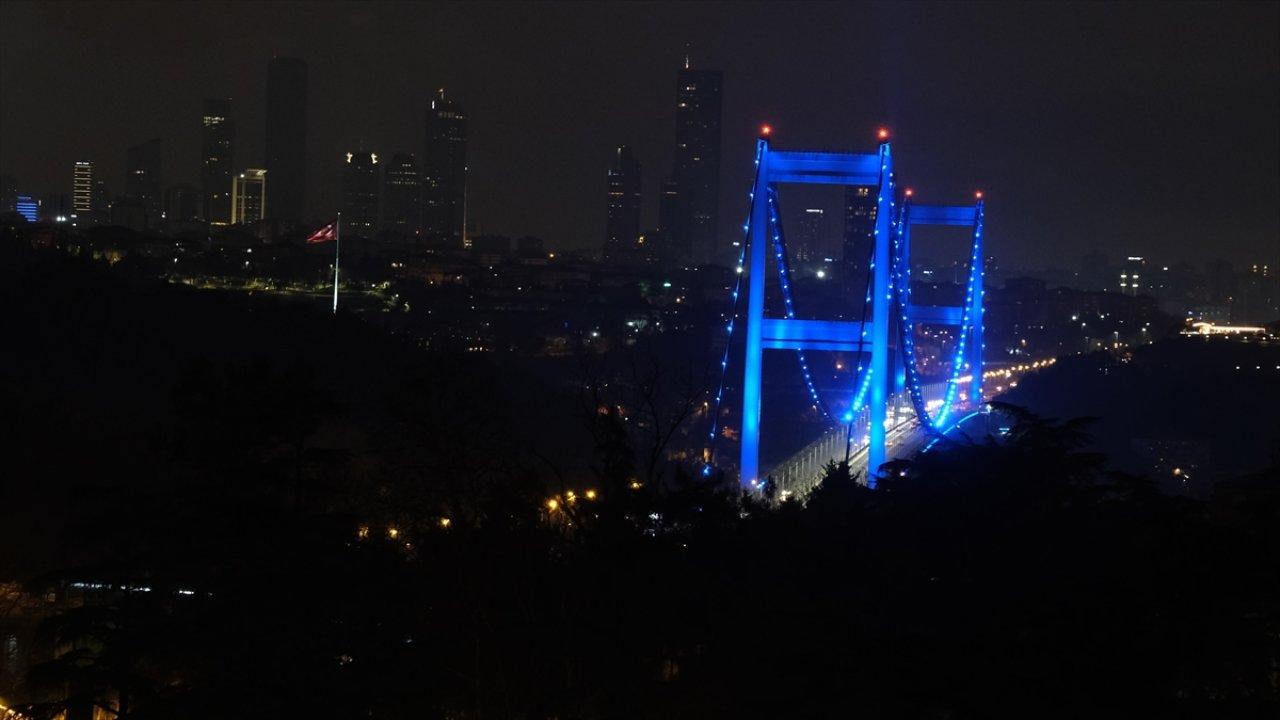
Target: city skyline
993,86
530,360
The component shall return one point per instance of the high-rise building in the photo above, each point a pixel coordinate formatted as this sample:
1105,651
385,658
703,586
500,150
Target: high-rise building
697,163
669,207
142,179
859,233
130,212
55,207
360,193
28,207
8,192
82,188
249,196
809,235
218,147
671,225
1133,280
623,227
101,199
400,194
444,171
182,204
286,140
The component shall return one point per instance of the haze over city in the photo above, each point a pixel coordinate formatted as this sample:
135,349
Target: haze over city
1102,126
666,361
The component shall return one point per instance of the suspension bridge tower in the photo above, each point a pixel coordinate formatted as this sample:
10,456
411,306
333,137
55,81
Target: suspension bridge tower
815,168
889,315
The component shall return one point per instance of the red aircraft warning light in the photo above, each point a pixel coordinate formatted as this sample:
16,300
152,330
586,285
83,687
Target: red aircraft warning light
978,195
766,130
909,192
883,134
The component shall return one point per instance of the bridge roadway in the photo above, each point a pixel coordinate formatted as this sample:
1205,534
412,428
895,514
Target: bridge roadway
799,473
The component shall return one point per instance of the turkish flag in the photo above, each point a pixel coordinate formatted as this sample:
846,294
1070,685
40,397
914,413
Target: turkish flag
324,234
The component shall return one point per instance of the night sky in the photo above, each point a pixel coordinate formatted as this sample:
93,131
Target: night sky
1143,128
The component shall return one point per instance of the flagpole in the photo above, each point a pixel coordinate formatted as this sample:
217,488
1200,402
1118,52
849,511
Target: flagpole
337,246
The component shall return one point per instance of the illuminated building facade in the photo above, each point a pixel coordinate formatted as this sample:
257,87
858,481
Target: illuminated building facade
1133,276
623,224
142,179
444,171
401,209
860,210
697,163
249,196
28,207
808,235
82,188
360,193
218,150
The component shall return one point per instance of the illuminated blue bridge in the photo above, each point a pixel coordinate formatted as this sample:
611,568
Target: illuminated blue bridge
891,407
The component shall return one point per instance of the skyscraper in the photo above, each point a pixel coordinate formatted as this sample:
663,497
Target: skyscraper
809,235
670,215
1133,280
444,171
859,233
286,141
82,188
101,200
249,196
400,191
697,162
8,192
218,155
142,179
182,204
360,193
623,195
28,207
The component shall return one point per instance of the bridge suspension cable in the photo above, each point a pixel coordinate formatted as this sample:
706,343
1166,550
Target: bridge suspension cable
969,332
863,377
708,454
784,281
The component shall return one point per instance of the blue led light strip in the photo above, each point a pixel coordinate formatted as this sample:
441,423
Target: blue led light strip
784,279
863,384
708,455
902,279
